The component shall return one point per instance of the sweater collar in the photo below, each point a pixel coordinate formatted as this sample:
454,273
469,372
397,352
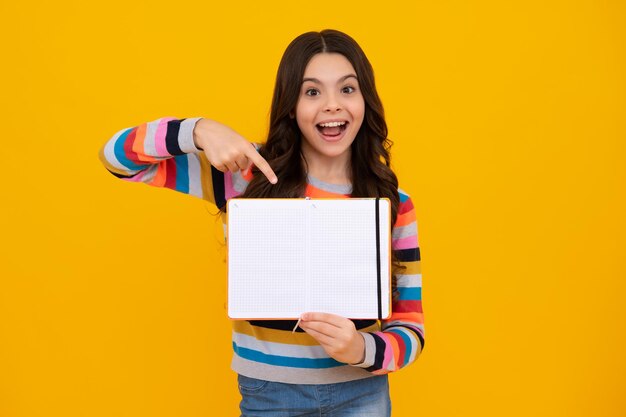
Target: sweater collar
331,188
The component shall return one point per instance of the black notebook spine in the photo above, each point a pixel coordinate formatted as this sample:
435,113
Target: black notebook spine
378,277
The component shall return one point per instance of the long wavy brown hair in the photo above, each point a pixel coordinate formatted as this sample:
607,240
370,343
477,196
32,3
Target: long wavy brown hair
371,172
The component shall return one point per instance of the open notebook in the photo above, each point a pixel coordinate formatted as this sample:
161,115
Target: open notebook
291,256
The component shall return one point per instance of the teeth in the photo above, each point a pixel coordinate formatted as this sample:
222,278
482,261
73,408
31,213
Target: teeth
332,124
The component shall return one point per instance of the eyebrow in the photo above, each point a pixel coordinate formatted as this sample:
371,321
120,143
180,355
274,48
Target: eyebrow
342,79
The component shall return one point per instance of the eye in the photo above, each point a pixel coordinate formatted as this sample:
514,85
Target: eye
348,89
312,92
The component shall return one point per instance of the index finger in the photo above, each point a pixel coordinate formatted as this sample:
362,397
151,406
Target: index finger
262,164
333,319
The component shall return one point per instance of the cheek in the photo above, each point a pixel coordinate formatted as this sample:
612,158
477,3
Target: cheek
303,124
358,109
304,116
359,114
362,109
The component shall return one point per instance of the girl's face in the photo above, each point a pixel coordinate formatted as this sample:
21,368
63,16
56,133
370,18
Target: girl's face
330,107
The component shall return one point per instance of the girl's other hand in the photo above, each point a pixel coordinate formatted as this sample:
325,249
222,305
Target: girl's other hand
337,335
227,150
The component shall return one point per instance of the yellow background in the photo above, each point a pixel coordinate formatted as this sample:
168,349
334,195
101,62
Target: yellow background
509,125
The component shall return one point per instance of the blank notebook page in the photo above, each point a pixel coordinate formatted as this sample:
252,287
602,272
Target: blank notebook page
290,256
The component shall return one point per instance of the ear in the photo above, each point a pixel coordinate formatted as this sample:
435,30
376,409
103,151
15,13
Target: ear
291,115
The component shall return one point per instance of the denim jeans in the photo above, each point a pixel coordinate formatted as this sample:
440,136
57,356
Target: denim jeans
367,397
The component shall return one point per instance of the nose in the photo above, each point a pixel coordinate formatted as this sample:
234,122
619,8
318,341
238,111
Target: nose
332,104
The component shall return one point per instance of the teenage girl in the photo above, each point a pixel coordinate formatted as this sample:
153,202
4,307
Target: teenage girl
327,138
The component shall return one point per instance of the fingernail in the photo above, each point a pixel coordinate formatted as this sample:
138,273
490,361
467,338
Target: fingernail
274,180
304,317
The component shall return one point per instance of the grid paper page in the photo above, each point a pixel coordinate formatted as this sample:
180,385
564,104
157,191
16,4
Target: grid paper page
288,256
345,258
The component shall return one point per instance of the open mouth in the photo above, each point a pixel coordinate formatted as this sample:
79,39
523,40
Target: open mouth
332,130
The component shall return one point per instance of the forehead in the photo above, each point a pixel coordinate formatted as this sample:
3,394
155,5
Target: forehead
328,67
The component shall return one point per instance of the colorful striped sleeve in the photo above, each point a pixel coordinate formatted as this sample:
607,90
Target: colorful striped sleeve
402,337
162,153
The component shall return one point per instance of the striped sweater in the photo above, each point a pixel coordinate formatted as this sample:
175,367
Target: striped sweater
162,153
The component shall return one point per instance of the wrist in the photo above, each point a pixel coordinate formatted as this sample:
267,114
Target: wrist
361,348
369,351
186,141
200,132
